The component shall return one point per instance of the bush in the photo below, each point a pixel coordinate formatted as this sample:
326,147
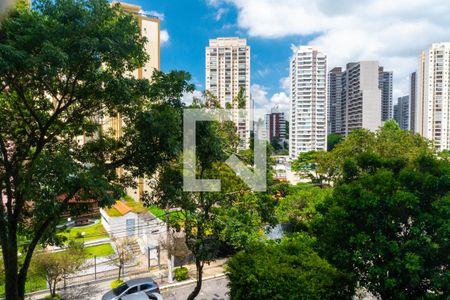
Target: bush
57,297
116,283
181,274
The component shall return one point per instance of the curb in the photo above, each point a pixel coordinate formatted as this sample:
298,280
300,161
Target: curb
190,281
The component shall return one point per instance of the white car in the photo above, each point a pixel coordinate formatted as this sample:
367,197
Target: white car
142,296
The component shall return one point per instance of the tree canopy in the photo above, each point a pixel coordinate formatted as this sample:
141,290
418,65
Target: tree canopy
387,223
66,67
288,270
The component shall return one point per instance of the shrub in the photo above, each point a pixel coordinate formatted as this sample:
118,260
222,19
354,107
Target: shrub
181,273
116,283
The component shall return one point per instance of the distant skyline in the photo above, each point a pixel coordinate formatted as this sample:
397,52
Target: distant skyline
391,32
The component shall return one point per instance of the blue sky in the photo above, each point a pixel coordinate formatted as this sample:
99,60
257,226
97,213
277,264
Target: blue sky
391,32
190,24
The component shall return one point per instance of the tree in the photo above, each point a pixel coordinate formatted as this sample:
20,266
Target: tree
316,166
123,254
58,265
204,219
387,223
332,140
298,205
276,144
289,270
64,66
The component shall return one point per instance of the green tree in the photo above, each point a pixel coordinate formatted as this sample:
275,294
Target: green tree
63,67
289,270
387,223
57,266
210,218
317,166
298,205
332,140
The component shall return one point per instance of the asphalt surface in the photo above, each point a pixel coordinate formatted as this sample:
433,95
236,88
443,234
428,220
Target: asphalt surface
212,289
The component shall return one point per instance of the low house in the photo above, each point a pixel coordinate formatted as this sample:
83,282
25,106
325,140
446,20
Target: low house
129,218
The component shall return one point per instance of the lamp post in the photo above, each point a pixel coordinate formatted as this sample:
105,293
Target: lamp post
83,234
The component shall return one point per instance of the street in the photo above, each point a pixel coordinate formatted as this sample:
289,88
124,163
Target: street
212,289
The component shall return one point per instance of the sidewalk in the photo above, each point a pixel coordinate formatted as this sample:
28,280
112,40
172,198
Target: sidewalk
213,270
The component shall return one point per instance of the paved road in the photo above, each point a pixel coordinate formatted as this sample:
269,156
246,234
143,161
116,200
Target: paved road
212,289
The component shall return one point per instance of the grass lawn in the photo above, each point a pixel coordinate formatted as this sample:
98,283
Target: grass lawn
99,251
135,206
161,213
93,232
34,283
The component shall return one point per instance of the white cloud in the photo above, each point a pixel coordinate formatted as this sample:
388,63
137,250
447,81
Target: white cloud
390,31
285,84
262,101
189,97
164,37
220,13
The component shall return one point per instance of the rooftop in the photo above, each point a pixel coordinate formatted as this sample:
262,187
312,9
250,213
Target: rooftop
124,206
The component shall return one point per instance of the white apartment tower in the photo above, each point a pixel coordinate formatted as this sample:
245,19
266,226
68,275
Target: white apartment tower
308,120
227,72
433,97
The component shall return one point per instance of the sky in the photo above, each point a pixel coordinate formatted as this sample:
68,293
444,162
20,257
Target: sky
393,32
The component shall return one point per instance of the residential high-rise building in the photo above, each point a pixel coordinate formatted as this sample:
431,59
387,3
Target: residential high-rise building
336,110
401,112
150,29
433,98
227,73
386,86
412,102
356,96
275,124
308,124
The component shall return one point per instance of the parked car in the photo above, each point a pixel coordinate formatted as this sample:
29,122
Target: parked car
133,286
142,296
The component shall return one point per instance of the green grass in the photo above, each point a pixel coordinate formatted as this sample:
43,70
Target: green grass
99,251
34,283
135,206
93,232
161,213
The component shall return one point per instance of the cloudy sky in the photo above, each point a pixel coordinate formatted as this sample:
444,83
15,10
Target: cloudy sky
390,31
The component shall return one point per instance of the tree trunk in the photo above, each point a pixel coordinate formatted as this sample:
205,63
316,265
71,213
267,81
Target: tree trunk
198,286
11,265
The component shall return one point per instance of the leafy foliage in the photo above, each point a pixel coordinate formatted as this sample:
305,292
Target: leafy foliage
289,270
181,274
387,223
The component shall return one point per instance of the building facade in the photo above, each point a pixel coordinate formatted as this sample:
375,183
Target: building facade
433,97
386,82
227,74
355,97
401,112
275,125
336,108
308,123
412,101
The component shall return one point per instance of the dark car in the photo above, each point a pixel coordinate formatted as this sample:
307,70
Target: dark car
146,285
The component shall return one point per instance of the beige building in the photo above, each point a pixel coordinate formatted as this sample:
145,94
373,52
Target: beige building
227,72
150,29
432,107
